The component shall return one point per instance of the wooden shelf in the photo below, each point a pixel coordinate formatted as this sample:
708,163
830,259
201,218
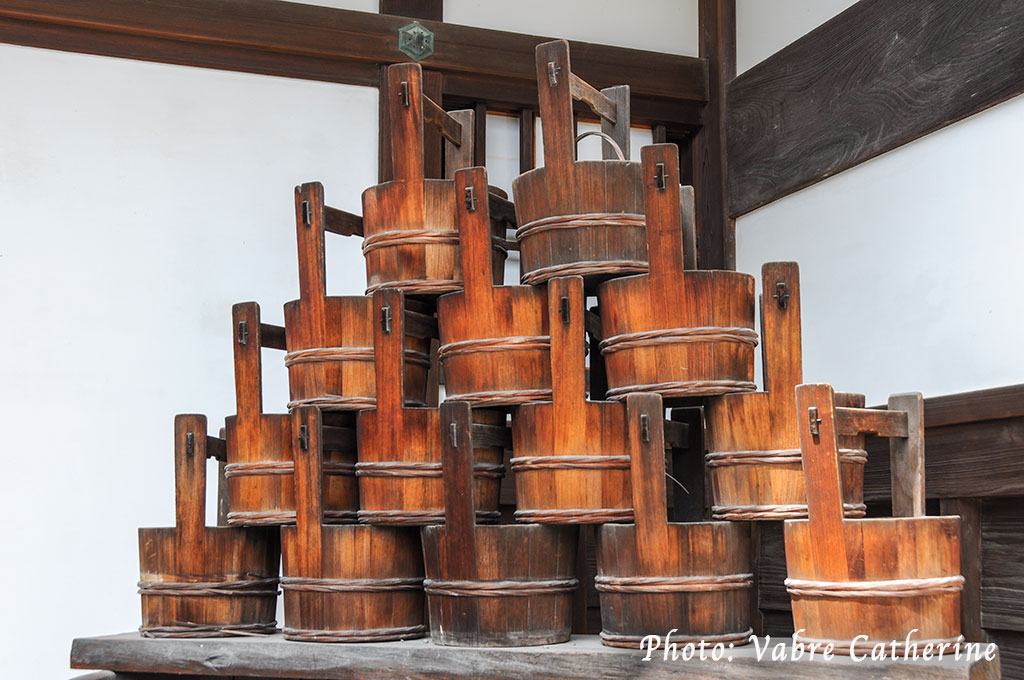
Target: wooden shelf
583,658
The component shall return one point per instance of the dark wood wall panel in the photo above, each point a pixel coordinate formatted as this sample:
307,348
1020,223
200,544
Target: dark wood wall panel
875,77
968,460
1002,560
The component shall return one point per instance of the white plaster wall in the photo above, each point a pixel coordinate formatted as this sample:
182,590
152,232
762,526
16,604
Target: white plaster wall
910,263
137,203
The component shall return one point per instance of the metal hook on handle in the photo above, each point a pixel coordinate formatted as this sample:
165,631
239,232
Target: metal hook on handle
605,137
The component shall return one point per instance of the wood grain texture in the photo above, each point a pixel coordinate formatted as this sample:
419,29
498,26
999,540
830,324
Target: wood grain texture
966,460
343,45
826,553
871,79
648,320
1002,570
584,658
414,9
528,568
259,447
192,553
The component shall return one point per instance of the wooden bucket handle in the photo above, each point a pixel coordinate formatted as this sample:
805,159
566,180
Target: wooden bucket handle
644,421
249,337
472,216
309,492
565,324
668,207
557,87
309,225
457,465
190,490
389,354
409,109
903,424
781,352
815,405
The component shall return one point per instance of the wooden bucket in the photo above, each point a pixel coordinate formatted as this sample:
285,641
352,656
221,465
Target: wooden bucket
399,468
581,218
330,339
674,332
259,446
345,583
494,344
653,576
199,581
890,579
493,586
753,439
411,241
571,455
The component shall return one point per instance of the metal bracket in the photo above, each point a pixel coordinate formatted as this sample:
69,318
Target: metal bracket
303,437
243,332
470,199
190,443
415,41
781,296
659,176
563,308
645,428
813,421
307,214
385,318
453,435
553,71
403,93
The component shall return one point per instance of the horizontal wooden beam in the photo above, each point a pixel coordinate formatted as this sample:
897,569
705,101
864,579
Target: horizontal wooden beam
875,77
583,659
322,43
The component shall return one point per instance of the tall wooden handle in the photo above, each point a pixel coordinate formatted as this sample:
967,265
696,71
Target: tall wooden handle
907,458
309,494
247,341
644,416
405,92
565,323
660,167
457,463
815,407
780,336
472,213
617,129
461,156
309,225
190,487
389,353
554,93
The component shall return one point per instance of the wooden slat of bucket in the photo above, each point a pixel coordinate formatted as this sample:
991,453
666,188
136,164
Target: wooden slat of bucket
644,414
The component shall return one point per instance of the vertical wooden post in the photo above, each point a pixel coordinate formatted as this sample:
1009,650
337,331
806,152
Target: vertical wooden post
480,135
716,230
527,140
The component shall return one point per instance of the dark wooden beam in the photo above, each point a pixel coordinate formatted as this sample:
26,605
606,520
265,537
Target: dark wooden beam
877,76
716,231
432,10
321,43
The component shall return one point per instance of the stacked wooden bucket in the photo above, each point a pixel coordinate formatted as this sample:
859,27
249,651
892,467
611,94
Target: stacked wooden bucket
384,506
